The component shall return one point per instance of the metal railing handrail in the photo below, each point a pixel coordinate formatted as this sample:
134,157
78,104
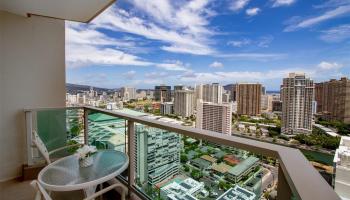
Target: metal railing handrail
296,175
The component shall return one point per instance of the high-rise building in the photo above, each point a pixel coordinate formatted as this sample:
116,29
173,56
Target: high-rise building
167,108
263,90
333,99
128,93
276,106
341,181
214,117
158,154
266,103
297,94
231,88
179,87
162,93
248,98
184,102
225,97
209,92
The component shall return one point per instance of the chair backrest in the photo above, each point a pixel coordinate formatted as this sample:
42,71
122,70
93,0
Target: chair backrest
40,146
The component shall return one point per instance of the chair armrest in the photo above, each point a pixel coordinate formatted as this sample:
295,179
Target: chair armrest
40,191
65,147
109,188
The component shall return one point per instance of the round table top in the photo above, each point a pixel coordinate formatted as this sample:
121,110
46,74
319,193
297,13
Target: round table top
65,174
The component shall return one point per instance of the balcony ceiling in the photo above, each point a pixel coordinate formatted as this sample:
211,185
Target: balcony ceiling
72,10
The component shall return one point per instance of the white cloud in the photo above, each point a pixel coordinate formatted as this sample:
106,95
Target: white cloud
239,43
173,65
252,11
237,5
182,27
129,74
329,66
309,22
336,34
85,55
265,41
86,46
278,3
156,75
254,56
333,3
216,64
321,71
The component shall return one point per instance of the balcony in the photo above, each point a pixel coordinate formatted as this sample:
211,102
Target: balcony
215,164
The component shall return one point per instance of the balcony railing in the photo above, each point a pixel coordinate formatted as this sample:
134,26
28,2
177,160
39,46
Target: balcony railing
296,177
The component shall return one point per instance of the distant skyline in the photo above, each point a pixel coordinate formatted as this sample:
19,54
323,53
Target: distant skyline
144,43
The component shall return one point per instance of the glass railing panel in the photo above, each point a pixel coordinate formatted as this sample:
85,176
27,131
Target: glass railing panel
170,165
106,131
59,127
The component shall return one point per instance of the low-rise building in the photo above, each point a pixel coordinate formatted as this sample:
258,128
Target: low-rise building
231,160
201,164
241,127
252,129
209,158
242,169
182,190
237,193
220,169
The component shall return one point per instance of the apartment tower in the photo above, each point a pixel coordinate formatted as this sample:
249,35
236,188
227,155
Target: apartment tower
162,93
297,94
214,117
209,92
184,102
128,93
248,97
333,99
157,154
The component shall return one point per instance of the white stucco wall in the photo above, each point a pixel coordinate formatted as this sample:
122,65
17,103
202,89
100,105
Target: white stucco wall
32,74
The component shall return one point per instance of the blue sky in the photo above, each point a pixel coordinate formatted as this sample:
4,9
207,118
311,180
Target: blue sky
143,43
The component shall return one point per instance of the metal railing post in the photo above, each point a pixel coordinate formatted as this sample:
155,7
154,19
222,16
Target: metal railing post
29,130
283,190
131,153
86,126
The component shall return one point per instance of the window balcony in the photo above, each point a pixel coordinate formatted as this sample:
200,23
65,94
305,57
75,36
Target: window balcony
200,164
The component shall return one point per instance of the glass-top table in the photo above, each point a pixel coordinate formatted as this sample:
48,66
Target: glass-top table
65,174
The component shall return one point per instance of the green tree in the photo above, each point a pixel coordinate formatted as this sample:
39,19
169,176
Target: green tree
183,158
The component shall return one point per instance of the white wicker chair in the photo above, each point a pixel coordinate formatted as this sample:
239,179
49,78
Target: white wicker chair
42,194
39,144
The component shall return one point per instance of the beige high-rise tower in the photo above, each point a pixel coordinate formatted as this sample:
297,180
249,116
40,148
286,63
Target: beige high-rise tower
214,117
297,94
209,92
248,97
333,99
184,102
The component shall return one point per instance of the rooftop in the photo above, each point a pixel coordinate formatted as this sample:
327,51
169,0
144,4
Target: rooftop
208,158
243,166
237,193
222,168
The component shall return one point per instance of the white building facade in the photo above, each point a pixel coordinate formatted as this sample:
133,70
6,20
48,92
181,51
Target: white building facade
128,93
341,161
184,102
214,117
209,92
